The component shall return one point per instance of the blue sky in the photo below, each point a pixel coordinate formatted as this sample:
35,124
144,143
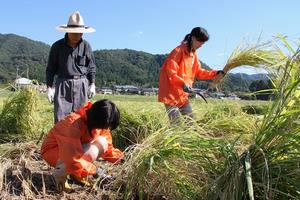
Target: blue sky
156,26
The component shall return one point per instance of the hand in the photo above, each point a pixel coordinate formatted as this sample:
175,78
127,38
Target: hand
50,94
221,72
187,88
92,91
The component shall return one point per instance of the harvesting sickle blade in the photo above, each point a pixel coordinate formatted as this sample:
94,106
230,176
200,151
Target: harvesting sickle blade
200,94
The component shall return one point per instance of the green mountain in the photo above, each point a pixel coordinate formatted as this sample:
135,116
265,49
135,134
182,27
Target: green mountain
22,54
120,66
125,66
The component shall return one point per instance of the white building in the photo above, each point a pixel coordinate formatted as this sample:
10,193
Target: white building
22,82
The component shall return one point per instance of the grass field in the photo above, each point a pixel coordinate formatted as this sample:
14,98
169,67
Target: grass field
143,119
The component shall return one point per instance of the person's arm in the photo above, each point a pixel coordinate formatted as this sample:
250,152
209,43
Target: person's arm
112,154
91,65
172,67
51,66
203,74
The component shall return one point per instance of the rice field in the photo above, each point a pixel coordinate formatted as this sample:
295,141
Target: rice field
144,127
232,150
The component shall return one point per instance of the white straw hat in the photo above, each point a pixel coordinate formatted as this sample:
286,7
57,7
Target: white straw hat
75,25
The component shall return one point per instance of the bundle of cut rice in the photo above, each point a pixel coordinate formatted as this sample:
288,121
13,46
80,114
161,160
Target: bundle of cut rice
19,120
259,55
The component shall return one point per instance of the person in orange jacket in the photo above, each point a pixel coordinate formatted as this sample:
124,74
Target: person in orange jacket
178,72
80,138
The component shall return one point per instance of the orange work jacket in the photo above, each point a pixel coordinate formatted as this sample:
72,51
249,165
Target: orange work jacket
180,67
68,135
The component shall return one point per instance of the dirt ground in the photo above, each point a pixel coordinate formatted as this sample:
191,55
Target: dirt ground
26,176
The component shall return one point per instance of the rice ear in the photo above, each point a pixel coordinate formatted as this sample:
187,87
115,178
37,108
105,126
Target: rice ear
259,56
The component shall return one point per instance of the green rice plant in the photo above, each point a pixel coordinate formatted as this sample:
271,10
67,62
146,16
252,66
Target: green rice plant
270,167
18,118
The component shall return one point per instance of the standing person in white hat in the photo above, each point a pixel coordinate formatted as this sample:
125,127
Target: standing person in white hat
71,59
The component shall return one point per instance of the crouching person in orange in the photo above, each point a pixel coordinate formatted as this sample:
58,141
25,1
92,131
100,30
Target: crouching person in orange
80,138
178,72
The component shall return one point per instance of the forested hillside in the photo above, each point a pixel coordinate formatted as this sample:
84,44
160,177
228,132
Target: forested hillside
119,66
18,52
128,67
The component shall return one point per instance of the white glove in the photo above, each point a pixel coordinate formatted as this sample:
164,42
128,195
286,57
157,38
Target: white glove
50,93
93,150
92,91
102,144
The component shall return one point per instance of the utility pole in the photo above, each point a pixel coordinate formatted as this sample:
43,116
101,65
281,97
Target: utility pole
17,72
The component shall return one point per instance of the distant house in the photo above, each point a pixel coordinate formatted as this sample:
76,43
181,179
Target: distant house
117,89
149,91
106,90
126,89
131,89
233,97
22,82
218,95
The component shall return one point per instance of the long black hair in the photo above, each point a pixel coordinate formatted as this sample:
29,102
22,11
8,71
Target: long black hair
103,114
199,33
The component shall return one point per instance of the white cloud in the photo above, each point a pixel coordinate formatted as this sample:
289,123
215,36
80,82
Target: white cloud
138,34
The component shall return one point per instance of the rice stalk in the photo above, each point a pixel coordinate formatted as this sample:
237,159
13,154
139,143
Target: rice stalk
178,162
275,153
170,163
5,164
259,55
